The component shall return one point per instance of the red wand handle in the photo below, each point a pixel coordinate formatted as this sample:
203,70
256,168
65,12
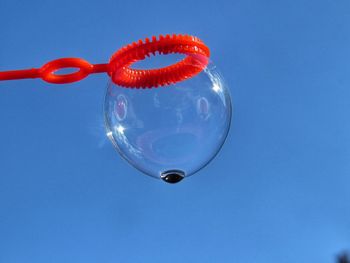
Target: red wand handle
20,74
47,71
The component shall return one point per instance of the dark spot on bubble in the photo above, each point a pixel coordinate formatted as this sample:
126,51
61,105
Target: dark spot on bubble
172,176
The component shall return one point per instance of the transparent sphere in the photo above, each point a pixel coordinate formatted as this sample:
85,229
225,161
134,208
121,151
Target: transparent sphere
170,132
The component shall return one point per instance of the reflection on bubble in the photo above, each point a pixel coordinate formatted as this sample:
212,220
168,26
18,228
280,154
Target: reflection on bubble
203,108
120,107
170,132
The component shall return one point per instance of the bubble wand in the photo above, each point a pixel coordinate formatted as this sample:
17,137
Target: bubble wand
119,65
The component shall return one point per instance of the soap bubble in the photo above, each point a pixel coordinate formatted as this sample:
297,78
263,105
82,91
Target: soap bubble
170,132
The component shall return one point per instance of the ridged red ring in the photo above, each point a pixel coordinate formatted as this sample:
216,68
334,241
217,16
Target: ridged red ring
197,57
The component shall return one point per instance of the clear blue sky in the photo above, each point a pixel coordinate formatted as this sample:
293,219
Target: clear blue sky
277,192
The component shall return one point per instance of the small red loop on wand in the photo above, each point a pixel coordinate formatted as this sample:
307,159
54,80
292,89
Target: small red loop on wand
119,66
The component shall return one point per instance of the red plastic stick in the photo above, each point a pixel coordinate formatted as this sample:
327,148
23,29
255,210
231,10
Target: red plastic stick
119,67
